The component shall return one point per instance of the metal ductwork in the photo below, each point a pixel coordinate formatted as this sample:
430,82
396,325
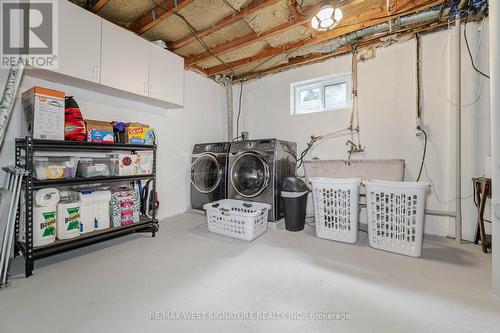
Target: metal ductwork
400,22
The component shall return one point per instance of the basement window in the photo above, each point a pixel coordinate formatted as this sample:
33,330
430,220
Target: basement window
323,94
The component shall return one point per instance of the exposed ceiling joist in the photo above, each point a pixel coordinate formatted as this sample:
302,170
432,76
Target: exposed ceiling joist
227,21
292,5
98,5
158,14
269,52
251,38
334,33
369,13
310,58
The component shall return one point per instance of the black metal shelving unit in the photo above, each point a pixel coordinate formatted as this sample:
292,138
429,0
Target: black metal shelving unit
25,150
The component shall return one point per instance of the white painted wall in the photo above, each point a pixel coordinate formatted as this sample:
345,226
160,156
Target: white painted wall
387,91
203,118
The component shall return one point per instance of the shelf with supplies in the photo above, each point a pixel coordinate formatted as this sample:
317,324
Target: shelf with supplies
28,149
59,246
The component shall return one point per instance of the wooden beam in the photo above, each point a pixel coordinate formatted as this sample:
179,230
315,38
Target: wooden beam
226,21
292,5
377,10
250,38
303,60
156,15
98,5
269,52
321,37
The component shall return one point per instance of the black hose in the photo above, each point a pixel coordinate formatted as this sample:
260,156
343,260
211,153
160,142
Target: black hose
470,53
423,154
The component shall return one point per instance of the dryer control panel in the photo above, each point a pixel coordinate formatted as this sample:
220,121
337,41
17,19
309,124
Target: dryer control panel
216,148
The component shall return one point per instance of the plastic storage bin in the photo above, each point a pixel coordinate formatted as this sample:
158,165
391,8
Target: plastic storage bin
238,219
396,216
54,167
336,208
97,167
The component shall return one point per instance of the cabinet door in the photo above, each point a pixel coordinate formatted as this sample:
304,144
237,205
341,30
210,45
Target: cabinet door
79,42
166,75
124,60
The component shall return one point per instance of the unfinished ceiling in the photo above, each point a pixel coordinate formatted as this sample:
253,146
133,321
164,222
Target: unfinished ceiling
250,38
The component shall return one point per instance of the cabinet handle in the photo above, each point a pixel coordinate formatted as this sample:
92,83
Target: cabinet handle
145,87
95,70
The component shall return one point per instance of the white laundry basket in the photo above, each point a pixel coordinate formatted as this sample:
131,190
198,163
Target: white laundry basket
336,208
395,213
238,219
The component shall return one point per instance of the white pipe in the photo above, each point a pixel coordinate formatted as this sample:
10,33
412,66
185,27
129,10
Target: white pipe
230,115
494,31
458,130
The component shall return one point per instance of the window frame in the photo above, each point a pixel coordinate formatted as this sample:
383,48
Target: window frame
322,83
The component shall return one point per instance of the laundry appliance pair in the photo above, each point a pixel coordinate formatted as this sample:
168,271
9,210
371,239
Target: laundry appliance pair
251,170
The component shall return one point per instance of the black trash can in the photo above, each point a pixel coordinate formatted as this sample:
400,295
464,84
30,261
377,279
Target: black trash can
294,196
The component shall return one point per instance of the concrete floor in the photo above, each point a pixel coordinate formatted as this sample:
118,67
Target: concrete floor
116,286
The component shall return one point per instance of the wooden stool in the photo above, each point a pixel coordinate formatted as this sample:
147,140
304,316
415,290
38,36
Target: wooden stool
482,191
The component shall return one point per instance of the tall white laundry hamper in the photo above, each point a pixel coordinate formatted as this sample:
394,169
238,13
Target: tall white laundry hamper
395,212
336,208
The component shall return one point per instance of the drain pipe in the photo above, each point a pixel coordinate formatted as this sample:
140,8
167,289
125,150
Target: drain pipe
494,30
404,21
229,105
458,135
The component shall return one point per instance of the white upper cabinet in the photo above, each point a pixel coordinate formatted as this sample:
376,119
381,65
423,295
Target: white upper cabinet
99,55
166,75
79,42
124,60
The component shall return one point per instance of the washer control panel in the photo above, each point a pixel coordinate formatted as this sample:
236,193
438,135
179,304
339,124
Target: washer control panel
258,145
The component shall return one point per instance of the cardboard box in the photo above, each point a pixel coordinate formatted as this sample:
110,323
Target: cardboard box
139,134
99,131
44,113
140,163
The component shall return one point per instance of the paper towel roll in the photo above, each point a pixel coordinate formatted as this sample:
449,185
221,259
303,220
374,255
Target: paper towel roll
47,197
87,218
95,196
102,220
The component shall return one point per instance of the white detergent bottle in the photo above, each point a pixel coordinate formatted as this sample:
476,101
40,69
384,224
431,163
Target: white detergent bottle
44,225
68,219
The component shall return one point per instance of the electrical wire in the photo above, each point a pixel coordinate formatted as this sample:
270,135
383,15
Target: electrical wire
443,66
434,189
239,113
470,54
424,153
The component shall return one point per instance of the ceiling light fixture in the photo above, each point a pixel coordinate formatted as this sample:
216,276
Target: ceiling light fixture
327,18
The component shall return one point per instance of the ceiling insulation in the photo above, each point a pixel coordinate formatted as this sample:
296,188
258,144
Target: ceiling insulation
203,13
253,48
221,36
227,34
239,4
297,33
269,17
258,42
124,12
171,29
190,49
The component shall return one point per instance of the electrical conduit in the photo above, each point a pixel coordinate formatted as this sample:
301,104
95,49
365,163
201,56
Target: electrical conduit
494,13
